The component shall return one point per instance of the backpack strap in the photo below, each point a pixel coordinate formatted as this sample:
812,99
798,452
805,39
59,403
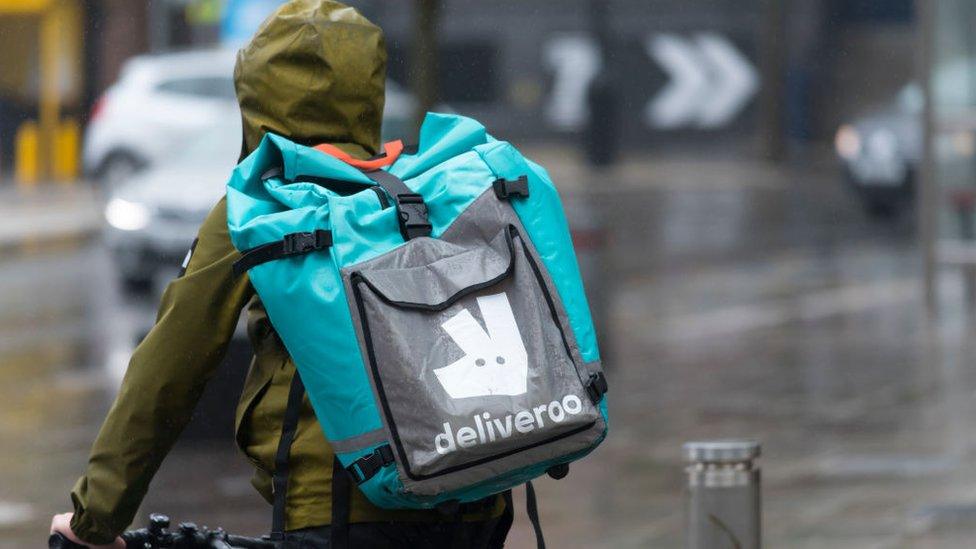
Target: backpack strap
532,508
341,493
291,244
279,480
367,466
411,208
341,483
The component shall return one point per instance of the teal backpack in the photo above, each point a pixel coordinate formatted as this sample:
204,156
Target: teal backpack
433,306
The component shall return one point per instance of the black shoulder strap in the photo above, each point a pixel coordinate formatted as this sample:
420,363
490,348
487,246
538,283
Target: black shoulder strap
279,480
341,492
390,183
532,508
410,206
341,483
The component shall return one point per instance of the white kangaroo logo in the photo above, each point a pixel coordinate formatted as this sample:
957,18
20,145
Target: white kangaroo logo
494,363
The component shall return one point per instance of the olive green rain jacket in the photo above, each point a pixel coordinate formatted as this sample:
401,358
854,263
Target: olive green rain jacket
314,72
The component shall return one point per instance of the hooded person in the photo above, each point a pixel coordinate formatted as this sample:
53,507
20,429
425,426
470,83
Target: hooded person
314,73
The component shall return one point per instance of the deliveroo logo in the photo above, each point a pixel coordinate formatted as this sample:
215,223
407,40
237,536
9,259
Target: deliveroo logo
494,362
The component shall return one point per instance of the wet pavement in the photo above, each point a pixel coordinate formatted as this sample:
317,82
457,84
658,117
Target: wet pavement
740,300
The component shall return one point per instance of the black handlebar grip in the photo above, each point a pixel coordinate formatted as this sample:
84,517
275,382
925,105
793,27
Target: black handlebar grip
58,541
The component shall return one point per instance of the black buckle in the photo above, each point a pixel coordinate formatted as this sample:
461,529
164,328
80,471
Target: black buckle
299,243
365,467
596,387
413,216
507,188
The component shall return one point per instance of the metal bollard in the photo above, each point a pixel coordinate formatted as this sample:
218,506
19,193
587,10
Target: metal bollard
724,507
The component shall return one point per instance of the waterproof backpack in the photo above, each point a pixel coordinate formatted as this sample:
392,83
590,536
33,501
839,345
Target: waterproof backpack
432,303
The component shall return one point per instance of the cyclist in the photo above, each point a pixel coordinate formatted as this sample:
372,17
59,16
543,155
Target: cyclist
315,73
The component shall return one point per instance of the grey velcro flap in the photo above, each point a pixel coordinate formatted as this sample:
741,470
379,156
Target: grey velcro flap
437,285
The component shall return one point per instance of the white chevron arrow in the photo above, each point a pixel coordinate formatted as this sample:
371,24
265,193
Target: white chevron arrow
733,77
677,104
710,81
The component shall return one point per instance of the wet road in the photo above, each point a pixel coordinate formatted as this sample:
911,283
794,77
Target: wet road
741,300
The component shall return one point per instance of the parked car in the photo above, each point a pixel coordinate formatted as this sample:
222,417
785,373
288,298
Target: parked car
160,101
882,149
153,217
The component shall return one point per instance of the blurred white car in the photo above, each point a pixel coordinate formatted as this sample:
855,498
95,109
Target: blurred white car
881,149
161,101
158,102
152,218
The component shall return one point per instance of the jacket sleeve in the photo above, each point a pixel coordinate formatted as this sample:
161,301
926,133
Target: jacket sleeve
165,378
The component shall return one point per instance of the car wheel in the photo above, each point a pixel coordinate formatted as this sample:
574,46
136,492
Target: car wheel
118,168
884,203
135,285
882,210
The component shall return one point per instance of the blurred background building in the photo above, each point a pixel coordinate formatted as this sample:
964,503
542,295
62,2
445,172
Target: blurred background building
772,200
742,74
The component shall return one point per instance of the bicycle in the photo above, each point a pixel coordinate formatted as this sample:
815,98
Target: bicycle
156,535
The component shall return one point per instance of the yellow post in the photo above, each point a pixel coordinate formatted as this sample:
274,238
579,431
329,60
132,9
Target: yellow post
27,161
50,92
23,6
66,149
48,148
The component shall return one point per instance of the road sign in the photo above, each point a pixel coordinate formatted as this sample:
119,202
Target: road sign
707,83
710,81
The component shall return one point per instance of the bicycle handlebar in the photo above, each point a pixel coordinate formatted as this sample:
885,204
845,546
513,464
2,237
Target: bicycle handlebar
188,536
58,541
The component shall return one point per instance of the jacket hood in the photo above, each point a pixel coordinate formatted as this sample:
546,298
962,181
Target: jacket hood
314,72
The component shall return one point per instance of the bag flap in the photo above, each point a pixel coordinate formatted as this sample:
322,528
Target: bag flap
437,284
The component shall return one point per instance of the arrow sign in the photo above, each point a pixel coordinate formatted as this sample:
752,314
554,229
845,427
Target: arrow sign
710,81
